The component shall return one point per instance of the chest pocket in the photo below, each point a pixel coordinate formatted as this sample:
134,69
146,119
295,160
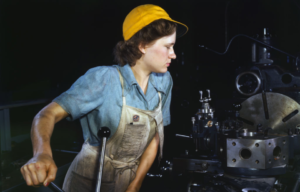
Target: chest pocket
133,142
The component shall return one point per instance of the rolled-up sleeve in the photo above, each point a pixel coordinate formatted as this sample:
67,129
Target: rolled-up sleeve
86,94
166,100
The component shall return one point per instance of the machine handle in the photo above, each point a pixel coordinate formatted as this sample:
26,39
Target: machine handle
54,187
185,136
153,175
208,92
103,133
201,94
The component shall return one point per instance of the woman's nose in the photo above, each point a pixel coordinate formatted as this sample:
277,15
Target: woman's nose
173,55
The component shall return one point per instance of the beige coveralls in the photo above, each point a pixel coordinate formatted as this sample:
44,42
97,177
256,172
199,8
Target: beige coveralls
123,151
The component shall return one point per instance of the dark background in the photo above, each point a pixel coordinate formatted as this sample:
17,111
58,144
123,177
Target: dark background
47,45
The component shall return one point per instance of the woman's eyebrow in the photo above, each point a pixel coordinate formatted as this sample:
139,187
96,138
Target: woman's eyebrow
170,44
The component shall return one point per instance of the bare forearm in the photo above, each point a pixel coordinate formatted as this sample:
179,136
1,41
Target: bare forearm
41,131
146,161
41,168
43,125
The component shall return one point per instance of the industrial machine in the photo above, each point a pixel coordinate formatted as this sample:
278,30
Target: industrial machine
257,147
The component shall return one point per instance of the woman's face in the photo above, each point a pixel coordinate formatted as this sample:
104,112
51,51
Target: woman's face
157,56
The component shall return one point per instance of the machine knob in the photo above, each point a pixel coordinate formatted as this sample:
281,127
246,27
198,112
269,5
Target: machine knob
104,132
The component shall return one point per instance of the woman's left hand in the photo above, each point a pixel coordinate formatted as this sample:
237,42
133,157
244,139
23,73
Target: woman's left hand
145,164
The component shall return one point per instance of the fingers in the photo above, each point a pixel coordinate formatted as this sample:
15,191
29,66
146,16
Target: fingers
25,172
51,174
29,174
34,174
40,170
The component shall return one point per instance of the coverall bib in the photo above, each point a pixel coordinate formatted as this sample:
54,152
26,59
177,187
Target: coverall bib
136,130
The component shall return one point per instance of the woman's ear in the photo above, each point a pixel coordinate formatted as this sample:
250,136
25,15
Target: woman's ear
142,48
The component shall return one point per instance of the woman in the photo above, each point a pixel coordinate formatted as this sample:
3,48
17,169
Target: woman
132,99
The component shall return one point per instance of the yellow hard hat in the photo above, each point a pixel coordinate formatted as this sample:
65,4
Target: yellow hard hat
142,16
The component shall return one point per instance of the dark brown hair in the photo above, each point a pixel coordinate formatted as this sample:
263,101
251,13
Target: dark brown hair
128,51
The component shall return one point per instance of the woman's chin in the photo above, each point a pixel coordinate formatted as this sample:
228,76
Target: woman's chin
164,70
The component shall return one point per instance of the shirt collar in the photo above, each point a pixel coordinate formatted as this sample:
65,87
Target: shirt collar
130,80
153,80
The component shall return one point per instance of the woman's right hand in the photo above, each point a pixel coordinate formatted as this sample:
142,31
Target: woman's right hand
39,170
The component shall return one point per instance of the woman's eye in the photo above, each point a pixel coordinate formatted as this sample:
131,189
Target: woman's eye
168,47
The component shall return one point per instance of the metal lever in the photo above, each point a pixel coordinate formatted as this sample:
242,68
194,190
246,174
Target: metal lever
103,133
54,187
201,99
208,92
152,175
185,136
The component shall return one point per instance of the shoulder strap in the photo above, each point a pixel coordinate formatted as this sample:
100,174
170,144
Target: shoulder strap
122,82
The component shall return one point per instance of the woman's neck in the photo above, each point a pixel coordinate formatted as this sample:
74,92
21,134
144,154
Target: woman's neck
141,75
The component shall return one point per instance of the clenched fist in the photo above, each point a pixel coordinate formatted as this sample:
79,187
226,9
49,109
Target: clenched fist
39,170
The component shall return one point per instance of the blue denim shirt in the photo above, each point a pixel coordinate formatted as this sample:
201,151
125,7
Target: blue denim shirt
96,98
